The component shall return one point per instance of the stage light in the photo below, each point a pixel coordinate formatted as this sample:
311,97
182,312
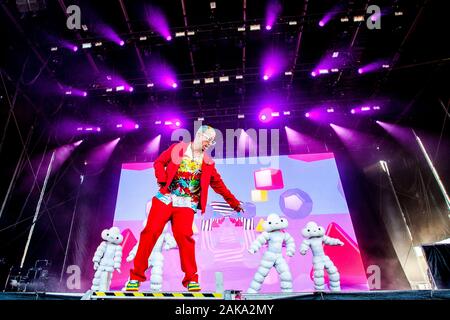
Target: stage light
352,111
201,119
321,23
335,70
241,29
130,89
119,125
75,48
169,38
398,13
365,108
68,93
98,44
212,5
174,85
177,123
358,18
143,38
150,85
209,80
307,114
79,129
255,27
286,113
268,27
109,89
265,115
85,94
84,27
121,43
239,77
89,129
275,114
360,70
86,45
323,71
224,79
158,122
335,54
54,49
385,66
288,73
313,74
266,77
292,23
344,19
168,123
330,110
191,33
120,88
136,126
376,108
179,34
196,81
241,116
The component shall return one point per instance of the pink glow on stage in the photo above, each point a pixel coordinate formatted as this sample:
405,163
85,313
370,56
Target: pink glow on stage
152,147
273,10
158,22
138,166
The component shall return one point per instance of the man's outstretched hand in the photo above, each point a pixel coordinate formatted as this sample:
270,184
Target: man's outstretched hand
240,208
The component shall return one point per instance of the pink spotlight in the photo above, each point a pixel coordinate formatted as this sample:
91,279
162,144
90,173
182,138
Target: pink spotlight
174,85
84,94
121,43
353,111
360,70
177,123
266,77
268,27
169,38
130,89
75,48
313,74
263,117
307,115
321,23
136,126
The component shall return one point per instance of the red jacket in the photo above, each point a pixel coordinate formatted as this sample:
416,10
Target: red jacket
168,162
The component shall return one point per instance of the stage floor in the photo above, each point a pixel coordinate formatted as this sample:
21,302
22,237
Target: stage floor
228,295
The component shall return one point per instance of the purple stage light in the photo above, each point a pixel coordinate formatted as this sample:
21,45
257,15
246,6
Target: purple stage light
75,92
130,89
360,70
177,123
174,85
353,111
273,10
307,114
110,34
119,125
136,126
323,71
330,110
158,22
84,94
328,16
371,67
75,48
273,63
313,74
321,23
266,115
121,43
153,146
168,123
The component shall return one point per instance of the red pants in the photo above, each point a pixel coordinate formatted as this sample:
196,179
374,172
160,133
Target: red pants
182,219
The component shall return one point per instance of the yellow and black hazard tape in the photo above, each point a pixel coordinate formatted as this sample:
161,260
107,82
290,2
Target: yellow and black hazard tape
106,294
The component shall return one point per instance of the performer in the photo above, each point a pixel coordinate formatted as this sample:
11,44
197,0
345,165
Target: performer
183,172
315,238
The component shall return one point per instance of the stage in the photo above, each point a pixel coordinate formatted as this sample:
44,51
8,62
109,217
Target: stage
233,295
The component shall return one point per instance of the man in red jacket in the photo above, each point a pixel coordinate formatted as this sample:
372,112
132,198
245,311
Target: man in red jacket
184,173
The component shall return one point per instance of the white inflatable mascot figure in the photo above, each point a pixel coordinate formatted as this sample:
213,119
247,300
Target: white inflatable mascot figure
156,260
274,235
107,258
315,238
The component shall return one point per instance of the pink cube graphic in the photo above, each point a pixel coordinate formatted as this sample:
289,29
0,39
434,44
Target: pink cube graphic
268,179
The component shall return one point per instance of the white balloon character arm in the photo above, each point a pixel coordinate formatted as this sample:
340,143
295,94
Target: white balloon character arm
169,242
304,247
118,257
259,242
132,253
332,241
290,244
99,253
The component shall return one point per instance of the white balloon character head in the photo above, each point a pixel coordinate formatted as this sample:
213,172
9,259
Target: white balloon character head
274,222
313,230
112,235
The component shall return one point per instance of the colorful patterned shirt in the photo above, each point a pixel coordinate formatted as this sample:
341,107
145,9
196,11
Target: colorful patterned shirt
185,186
